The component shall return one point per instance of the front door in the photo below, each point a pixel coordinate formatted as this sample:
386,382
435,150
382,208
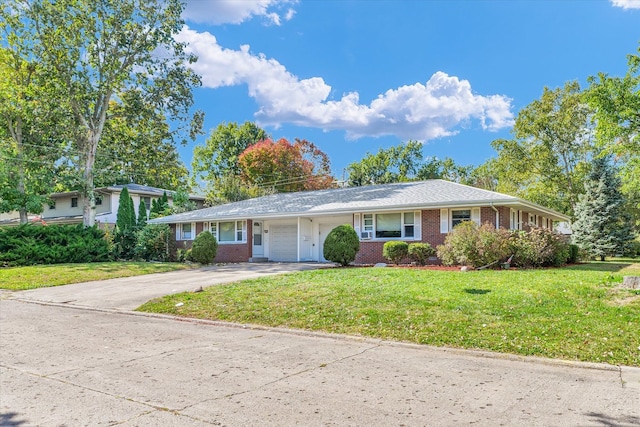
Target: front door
258,247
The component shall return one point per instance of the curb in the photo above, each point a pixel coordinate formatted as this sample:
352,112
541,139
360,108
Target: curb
352,338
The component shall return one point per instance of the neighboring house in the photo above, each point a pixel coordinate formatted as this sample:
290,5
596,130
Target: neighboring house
66,208
293,226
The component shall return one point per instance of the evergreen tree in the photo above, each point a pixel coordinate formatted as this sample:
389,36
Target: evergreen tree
126,217
602,226
142,214
125,235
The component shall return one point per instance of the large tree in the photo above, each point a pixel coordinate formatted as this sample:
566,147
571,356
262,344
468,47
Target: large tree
218,158
404,162
285,167
28,152
616,104
92,50
549,155
602,226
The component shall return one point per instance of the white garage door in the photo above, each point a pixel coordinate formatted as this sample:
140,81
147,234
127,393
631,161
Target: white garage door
283,242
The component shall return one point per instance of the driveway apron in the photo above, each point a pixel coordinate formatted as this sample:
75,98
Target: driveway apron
128,293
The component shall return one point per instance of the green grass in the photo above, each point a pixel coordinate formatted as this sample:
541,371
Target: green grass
40,276
573,313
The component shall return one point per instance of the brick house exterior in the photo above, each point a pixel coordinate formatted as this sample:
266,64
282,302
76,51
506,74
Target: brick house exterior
293,226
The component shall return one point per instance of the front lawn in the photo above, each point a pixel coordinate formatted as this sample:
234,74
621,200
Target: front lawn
573,313
40,276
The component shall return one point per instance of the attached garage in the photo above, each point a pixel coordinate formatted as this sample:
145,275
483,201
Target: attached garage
283,244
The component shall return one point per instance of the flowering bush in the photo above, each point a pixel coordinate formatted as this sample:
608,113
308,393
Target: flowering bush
476,246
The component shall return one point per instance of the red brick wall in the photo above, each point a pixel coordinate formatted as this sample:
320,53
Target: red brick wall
238,252
505,218
431,227
487,215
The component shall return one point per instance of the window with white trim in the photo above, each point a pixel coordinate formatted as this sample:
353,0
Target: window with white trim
395,225
186,231
229,231
460,215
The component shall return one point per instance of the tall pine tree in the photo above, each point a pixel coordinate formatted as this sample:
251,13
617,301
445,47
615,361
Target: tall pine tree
602,226
142,214
125,236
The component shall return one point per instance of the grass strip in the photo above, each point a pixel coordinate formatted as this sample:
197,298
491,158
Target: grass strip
573,313
40,276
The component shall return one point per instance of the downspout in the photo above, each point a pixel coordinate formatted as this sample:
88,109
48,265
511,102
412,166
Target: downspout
497,215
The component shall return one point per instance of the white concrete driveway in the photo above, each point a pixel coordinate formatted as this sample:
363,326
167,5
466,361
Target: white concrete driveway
128,293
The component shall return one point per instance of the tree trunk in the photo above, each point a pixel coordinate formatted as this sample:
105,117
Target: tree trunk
89,197
601,257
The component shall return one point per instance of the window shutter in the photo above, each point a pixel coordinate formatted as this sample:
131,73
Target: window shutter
356,223
475,215
417,225
444,221
178,230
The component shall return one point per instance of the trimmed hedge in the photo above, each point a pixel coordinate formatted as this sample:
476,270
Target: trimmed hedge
420,252
395,251
54,244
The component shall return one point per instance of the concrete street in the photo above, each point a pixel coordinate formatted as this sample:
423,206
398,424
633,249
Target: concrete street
71,364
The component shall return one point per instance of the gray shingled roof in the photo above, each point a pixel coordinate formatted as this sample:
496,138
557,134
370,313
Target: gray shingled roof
410,195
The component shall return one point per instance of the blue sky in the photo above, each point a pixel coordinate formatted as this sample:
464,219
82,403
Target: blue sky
355,76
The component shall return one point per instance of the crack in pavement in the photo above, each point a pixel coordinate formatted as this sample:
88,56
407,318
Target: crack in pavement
291,375
176,412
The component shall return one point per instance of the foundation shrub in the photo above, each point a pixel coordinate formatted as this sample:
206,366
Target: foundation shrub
468,244
420,252
341,245
205,248
395,251
156,242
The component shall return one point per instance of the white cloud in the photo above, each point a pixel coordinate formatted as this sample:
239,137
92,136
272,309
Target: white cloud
235,12
626,4
419,111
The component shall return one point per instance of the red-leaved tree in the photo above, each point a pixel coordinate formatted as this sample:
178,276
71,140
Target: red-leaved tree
286,167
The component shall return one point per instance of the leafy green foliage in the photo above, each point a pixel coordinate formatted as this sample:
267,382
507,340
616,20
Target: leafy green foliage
126,216
402,163
155,242
616,102
419,252
204,249
159,207
341,245
219,157
55,244
539,247
548,157
395,251
229,188
602,226
468,244
92,51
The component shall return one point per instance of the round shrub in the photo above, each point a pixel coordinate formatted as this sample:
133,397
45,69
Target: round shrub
156,242
420,252
395,251
204,248
341,245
